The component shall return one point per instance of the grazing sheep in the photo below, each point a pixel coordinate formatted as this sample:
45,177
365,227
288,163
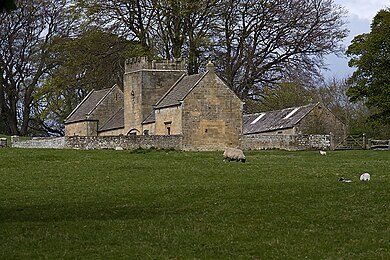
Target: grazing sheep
233,154
342,179
322,152
365,177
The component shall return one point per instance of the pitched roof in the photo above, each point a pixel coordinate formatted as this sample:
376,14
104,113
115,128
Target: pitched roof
115,122
87,106
274,120
179,90
151,118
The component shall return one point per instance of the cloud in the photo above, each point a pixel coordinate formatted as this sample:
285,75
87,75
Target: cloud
360,15
356,26
363,9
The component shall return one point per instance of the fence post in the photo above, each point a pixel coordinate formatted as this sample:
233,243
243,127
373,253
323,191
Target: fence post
332,144
364,141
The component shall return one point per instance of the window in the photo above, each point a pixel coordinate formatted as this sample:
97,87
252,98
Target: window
168,128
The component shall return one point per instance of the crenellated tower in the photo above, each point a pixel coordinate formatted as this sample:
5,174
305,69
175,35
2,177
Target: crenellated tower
145,82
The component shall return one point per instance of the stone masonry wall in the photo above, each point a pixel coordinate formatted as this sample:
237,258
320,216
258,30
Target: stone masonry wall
248,142
171,116
103,142
145,82
83,128
40,142
212,116
321,121
286,142
130,142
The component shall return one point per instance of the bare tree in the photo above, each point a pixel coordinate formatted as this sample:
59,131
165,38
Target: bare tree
170,29
259,43
26,34
132,19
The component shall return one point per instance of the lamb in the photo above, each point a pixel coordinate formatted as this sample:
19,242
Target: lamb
365,177
322,152
233,154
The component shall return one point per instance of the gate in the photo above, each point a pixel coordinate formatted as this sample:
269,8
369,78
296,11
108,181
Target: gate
352,142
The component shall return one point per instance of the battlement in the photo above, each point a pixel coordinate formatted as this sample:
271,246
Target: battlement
143,63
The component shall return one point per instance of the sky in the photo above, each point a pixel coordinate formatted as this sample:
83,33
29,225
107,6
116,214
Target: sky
360,14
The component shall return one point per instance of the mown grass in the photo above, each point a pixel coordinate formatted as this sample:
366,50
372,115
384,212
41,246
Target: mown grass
166,204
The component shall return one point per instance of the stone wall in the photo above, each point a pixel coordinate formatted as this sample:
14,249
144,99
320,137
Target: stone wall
103,142
130,142
83,128
248,142
212,115
40,142
286,142
143,63
144,83
321,121
168,117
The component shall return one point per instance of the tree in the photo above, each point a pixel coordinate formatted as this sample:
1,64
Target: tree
131,19
7,5
92,60
27,35
260,43
169,29
283,95
370,54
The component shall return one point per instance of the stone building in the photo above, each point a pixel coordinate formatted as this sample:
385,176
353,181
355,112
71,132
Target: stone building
159,98
309,119
91,116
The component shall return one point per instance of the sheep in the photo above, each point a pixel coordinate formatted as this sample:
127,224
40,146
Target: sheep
233,154
365,177
322,152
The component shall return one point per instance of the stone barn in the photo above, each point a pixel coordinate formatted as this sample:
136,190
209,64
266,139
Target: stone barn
313,119
159,98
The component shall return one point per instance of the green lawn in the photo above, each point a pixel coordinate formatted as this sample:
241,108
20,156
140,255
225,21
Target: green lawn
166,204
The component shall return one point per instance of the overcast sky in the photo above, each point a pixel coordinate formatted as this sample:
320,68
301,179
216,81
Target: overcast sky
360,14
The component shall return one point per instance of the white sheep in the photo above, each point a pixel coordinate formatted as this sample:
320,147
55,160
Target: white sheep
322,152
233,154
365,177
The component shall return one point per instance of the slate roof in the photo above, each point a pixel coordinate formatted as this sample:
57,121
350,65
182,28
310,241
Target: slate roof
179,90
115,122
151,118
87,106
274,120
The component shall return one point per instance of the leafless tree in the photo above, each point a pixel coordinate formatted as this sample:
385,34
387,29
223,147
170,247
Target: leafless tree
132,19
259,43
26,35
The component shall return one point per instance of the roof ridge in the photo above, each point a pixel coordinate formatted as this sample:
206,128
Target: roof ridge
101,100
311,109
170,89
77,107
112,117
196,83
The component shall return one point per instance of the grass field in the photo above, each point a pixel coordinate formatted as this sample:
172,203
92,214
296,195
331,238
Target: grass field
166,204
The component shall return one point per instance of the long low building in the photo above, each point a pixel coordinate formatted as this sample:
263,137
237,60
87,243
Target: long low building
309,119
